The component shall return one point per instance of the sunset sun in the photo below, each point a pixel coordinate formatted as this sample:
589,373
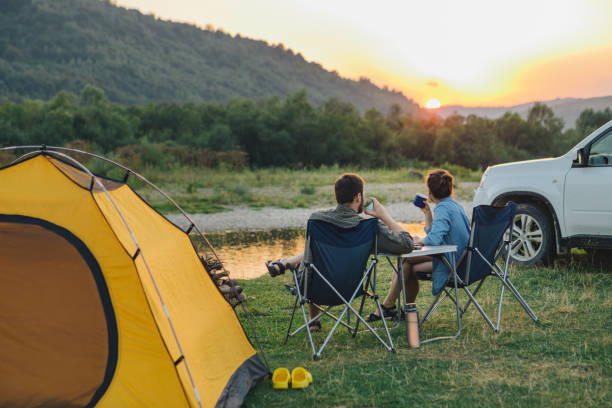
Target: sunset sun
433,103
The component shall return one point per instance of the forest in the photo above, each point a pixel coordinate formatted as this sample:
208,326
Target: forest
87,75
284,132
47,46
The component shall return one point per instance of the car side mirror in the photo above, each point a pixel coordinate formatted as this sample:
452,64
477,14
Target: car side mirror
581,157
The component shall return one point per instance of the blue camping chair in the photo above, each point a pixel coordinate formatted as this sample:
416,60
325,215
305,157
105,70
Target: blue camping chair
337,276
479,261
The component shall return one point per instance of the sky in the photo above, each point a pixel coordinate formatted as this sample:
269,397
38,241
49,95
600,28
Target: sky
464,52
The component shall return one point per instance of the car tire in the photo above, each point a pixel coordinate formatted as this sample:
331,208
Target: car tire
532,236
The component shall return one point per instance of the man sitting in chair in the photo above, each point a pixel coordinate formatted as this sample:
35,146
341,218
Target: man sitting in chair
392,238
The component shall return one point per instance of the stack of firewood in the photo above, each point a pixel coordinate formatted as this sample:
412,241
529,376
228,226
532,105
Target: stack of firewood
229,288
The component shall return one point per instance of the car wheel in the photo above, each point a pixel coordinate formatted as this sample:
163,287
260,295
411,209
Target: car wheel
532,237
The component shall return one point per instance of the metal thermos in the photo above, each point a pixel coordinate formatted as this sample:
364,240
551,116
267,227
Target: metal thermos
412,325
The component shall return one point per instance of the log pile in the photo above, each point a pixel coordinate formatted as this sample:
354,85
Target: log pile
229,288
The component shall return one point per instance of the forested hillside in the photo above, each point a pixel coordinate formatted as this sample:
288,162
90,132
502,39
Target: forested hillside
288,132
47,46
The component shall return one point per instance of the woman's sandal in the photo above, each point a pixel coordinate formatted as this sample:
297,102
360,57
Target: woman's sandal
388,312
314,326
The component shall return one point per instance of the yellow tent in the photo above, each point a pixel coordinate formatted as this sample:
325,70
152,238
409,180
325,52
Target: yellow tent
104,302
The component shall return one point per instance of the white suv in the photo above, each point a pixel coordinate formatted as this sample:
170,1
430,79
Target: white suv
563,202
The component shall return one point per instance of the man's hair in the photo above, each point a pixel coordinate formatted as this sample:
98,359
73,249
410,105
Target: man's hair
347,187
440,183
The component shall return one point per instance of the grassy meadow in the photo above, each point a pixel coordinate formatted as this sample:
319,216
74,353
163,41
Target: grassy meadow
202,190
566,360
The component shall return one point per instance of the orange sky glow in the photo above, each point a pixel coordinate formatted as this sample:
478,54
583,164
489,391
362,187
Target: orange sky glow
472,53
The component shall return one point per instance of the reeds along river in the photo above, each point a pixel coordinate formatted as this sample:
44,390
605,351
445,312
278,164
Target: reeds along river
244,253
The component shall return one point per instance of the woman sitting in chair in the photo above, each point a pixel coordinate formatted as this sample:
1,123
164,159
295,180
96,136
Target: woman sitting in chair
449,225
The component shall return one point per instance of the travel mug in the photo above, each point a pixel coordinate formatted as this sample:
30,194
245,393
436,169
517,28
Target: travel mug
412,325
418,200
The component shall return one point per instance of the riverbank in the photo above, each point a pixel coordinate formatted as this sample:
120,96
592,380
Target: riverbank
269,199
268,218
259,199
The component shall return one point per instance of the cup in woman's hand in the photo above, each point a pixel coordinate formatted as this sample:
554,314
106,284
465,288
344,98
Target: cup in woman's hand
419,200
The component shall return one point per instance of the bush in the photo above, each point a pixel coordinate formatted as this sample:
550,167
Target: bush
308,190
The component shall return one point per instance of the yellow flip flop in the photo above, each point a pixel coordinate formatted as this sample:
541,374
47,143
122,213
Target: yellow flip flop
300,378
281,379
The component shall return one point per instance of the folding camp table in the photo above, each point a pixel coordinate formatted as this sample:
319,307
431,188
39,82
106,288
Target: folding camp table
434,251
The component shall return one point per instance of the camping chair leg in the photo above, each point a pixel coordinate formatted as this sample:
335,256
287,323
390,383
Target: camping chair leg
520,299
474,293
452,268
314,352
384,324
327,313
352,309
494,266
433,307
501,291
348,322
450,296
331,332
360,311
401,306
301,299
321,313
480,309
506,282
373,285
291,320
361,306
514,291
404,305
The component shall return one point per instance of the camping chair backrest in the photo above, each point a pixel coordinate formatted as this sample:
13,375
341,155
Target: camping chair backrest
340,255
488,226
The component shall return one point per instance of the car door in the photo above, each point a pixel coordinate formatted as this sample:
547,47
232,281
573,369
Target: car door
588,191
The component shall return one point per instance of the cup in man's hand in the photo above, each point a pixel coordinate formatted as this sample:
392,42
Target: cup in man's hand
419,200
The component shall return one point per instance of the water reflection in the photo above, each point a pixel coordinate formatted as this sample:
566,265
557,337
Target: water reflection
244,252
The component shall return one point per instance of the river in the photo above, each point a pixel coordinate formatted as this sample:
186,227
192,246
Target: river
244,253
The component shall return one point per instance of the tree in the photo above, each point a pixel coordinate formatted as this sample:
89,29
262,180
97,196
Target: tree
544,130
589,120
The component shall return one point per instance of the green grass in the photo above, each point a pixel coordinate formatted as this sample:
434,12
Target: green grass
566,360
213,190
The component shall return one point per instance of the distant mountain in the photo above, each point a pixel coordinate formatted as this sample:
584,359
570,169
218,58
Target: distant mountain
567,108
51,45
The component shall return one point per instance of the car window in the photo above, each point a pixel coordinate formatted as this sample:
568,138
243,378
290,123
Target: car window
601,151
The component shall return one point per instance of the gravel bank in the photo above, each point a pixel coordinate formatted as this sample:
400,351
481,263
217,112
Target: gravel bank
267,218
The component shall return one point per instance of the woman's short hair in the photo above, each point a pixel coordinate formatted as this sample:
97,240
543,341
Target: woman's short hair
440,183
347,187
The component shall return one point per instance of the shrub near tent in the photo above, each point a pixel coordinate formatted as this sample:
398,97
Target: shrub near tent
84,300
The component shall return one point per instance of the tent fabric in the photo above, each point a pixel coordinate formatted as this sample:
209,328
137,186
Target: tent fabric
213,355
164,275
71,364
81,178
